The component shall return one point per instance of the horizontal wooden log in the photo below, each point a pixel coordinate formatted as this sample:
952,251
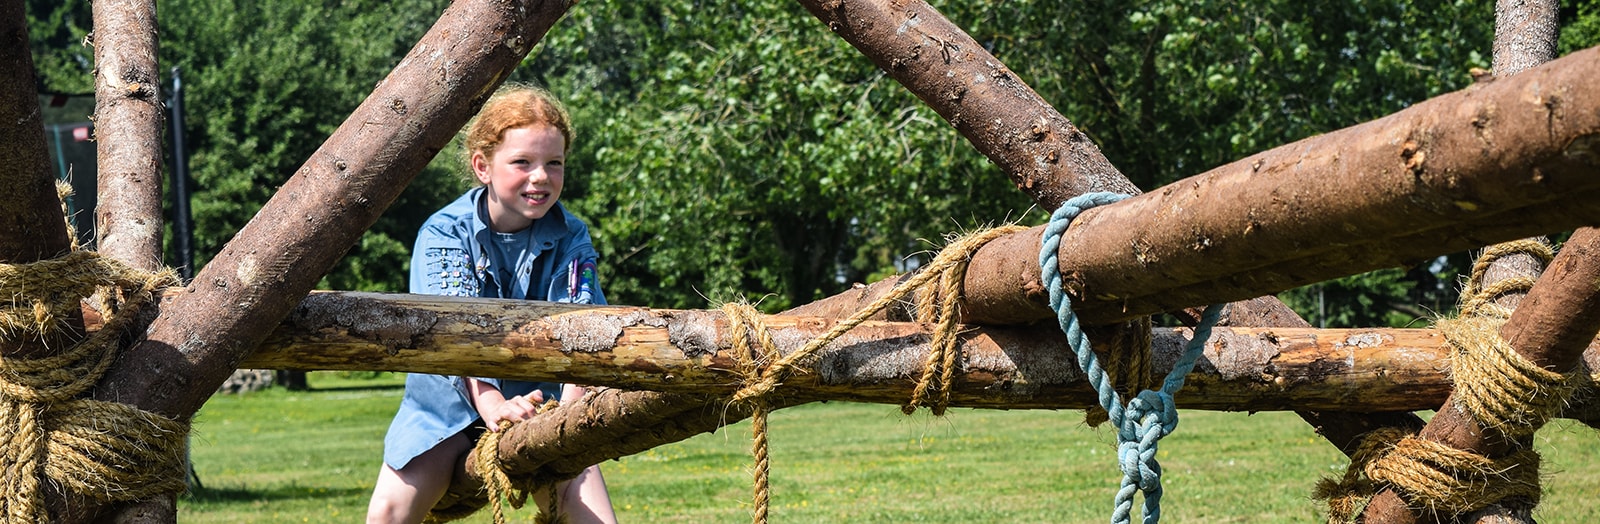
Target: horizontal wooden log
1498,161
687,351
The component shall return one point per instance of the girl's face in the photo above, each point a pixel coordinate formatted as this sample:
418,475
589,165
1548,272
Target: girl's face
524,176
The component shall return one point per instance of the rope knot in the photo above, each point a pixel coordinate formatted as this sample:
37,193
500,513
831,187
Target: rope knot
1150,415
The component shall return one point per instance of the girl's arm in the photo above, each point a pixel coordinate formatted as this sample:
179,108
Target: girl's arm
494,407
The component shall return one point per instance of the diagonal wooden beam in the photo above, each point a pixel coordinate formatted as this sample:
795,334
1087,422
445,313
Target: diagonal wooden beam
1552,327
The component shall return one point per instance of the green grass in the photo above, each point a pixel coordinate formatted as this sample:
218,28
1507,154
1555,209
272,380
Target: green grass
277,456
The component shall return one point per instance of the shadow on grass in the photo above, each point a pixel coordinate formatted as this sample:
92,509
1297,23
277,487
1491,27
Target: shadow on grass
224,495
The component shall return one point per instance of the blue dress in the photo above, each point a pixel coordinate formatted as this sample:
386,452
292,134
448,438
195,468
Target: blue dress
457,254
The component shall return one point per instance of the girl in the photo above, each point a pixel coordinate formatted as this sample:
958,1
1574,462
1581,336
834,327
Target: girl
507,238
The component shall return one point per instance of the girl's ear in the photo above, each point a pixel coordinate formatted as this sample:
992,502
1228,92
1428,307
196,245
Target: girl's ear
480,167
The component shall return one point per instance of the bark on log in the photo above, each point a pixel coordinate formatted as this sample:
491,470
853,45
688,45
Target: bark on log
129,121
32,224
687,352
1557,320
203,331
128,127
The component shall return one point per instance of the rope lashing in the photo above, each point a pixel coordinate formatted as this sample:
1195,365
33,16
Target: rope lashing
952,256
1477,300
764,370
752,348
1495,385
498,485
106,451
1149,415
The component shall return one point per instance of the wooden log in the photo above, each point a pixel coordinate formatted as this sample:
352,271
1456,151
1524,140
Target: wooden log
687,352
1416,184
32,224
129,120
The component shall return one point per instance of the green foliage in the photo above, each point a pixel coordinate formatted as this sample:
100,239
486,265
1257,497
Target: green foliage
56,31
265,84
1580,27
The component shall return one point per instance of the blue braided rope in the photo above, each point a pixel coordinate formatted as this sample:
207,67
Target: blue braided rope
1150,415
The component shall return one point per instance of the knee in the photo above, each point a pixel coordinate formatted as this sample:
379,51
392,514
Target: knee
384,510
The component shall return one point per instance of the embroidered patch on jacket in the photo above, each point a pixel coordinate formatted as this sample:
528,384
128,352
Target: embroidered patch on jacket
450,271
580,278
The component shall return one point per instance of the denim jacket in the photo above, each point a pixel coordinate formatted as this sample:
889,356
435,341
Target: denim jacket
450,258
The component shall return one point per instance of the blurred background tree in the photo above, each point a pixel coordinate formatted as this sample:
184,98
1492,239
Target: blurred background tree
738,148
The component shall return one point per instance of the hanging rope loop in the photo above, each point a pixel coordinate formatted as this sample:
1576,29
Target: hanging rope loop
1149,415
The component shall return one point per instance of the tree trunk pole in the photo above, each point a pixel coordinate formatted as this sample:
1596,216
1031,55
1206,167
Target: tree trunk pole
204,331
32,225
129,121
1525,36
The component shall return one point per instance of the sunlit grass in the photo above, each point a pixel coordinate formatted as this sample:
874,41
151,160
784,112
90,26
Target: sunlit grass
312,457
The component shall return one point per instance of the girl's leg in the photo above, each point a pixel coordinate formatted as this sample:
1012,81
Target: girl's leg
404,496
584,499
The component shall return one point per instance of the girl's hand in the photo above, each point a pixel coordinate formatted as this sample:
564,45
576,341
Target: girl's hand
514,409
496,409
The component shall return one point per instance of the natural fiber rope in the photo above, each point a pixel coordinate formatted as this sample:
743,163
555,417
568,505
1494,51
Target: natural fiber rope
1477,300
103,450
1129,363
498,485
1445,479
957,254
1495,385
753,347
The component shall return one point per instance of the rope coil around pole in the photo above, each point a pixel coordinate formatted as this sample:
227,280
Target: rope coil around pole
106,451
1149,415
498,485
1494,384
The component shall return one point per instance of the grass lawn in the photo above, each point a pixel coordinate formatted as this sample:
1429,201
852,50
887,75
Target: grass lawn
276,456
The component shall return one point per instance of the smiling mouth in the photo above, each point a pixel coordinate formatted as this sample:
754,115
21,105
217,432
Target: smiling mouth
536,197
